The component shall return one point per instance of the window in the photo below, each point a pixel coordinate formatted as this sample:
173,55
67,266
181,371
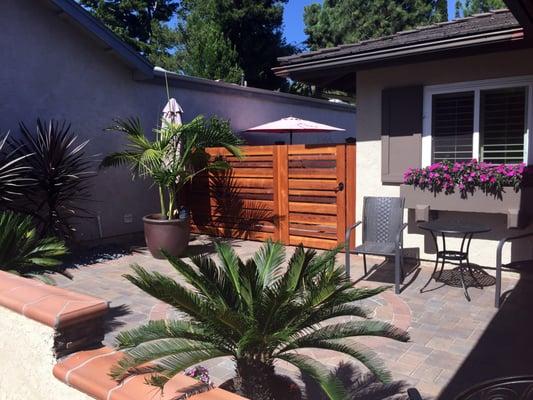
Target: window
502,125
485,120
453,126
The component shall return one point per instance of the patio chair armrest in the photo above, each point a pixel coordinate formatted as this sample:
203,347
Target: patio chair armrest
399,234
349,231
502,242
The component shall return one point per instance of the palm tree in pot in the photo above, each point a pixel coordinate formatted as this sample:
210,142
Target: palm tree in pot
257,312
172,159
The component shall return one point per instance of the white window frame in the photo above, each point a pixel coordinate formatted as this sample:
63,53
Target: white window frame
476,87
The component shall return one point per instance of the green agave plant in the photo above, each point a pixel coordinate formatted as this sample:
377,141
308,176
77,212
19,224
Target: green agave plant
256,311
23,252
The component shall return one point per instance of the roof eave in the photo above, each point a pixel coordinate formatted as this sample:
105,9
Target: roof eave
390,54
140,65
523,12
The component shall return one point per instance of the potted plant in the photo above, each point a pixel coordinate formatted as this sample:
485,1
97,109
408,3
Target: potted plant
171,160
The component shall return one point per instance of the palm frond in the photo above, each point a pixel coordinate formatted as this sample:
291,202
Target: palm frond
269,260
21,249
354,328
361,353
331,386
187,301
161,329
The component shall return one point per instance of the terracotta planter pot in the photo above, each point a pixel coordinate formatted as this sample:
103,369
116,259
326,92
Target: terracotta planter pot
170,235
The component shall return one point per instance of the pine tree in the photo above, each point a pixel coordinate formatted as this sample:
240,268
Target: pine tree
480,6
208,54
441,11
143,24
349,21
253,28
458,9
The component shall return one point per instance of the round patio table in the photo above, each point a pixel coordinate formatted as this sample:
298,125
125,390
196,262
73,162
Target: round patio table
467,231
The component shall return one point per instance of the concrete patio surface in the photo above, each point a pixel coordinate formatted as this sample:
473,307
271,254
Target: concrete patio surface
443,325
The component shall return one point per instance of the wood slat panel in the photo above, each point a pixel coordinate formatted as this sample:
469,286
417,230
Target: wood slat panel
315,193
247,150
302,149
313,208
312,184
330,220
243,203
341,195
313,234
232,233
252,172
325,173
313,242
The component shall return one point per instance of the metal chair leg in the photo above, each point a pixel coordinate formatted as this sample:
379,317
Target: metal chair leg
402,270
397,272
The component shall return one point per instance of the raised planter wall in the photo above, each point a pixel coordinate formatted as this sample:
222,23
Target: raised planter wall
40,323
513,204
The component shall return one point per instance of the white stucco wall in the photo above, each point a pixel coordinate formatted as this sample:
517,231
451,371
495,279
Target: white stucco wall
370,84
27,360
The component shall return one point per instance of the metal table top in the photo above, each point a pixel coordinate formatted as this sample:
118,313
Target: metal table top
453,227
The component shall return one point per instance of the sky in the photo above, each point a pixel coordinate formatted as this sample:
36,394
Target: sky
293,19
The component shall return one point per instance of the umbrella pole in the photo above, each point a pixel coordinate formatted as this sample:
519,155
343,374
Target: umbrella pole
290,137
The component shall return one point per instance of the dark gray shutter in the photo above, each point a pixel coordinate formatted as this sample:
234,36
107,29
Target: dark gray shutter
401,131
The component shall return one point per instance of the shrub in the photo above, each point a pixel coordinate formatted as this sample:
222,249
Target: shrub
255,311
22,252
60,171
466,177
13,174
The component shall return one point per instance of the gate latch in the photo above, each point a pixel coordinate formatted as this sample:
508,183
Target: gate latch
340,187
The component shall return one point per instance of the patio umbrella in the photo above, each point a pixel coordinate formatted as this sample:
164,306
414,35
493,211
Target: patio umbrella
172,115
292,125
172,112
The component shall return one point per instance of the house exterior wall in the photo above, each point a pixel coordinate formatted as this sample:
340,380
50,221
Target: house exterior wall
51,68
370,84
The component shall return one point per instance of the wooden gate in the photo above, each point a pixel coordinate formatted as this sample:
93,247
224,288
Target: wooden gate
291,193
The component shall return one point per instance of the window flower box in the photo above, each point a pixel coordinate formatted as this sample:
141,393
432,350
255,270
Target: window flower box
468,187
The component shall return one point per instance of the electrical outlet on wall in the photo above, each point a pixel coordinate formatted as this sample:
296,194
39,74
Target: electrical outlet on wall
128,218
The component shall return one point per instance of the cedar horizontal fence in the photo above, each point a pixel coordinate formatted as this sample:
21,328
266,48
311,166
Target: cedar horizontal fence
291,193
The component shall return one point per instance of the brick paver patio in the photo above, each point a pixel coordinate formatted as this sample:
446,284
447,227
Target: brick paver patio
444,327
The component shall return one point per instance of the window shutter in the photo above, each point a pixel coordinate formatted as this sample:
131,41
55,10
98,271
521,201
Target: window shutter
453,126
502,125
401,131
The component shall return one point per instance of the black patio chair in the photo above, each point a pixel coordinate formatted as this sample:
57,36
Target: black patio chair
509,388
499,264
383,228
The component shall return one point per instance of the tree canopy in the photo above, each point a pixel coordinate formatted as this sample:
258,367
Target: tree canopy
337,22
208,53
252,28
470,7
142,24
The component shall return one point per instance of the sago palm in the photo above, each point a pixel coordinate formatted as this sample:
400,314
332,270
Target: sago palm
175,155
23,252
256,311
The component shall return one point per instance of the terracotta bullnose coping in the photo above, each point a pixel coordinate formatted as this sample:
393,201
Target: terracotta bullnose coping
88,372
50,305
